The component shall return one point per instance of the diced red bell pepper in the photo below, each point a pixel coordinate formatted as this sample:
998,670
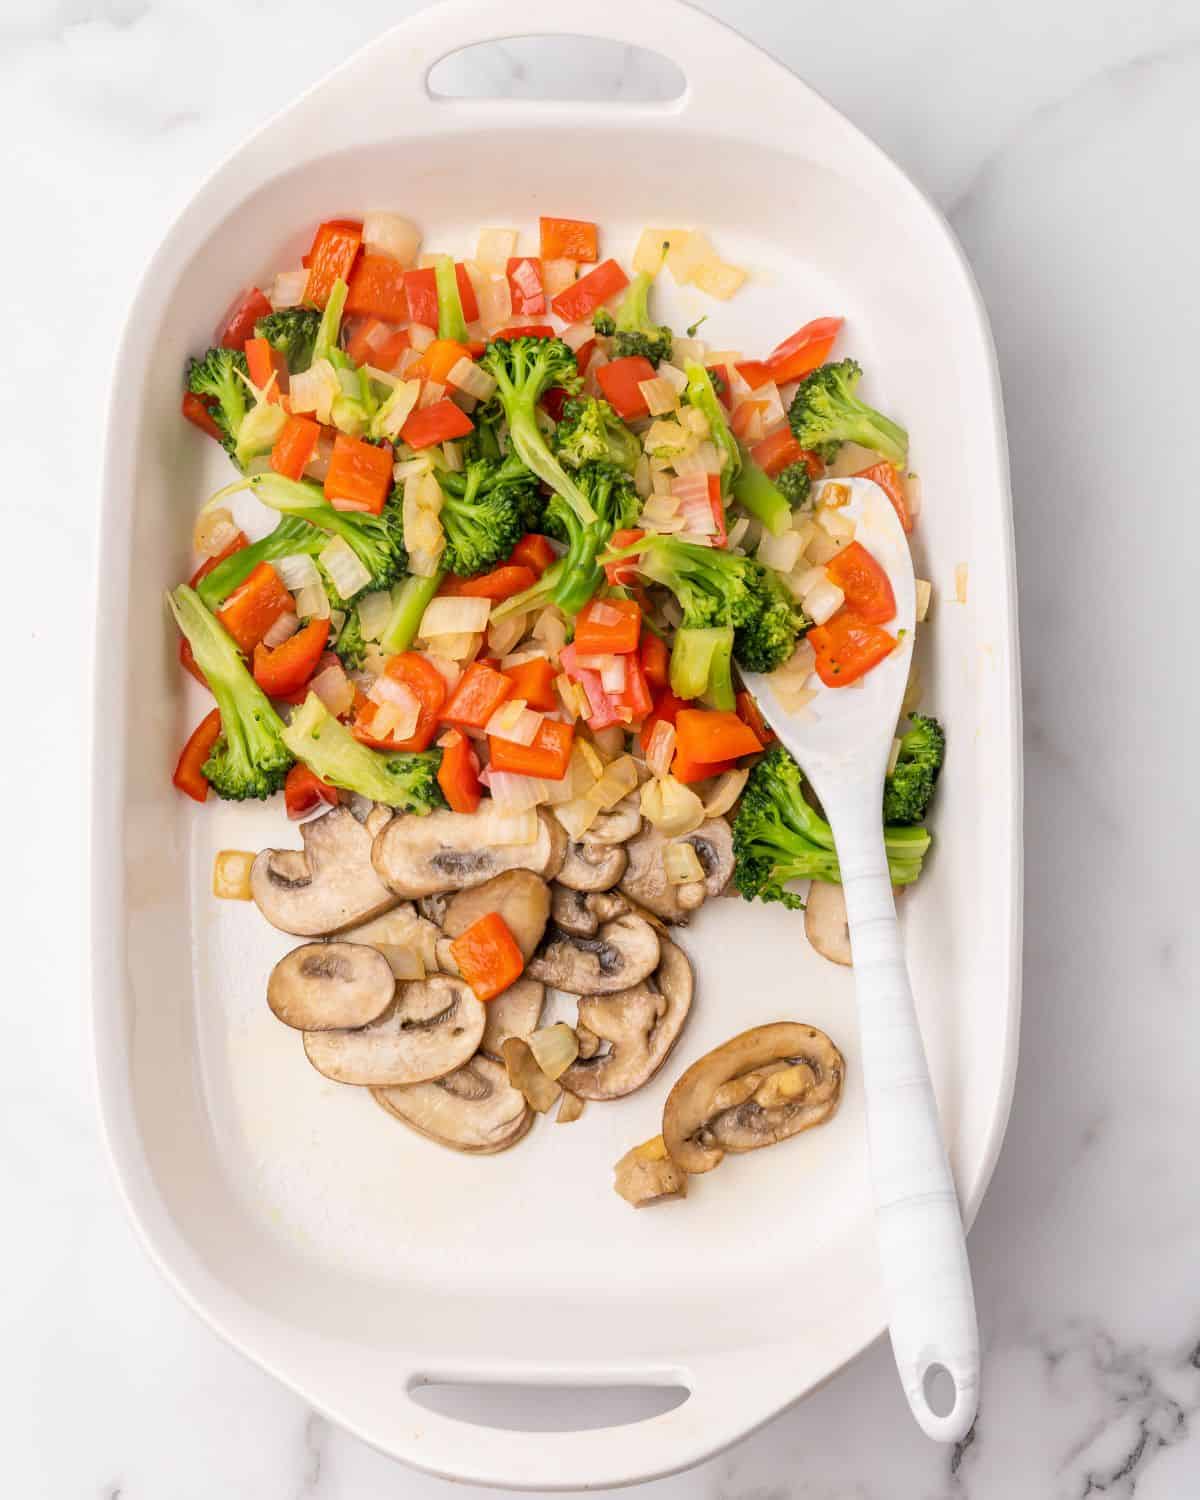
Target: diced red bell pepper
209,563
666,708
525,331
187,660
196,410
554,401
807,348
466,293
331,258
779,449
487,956
189,776
426,683
548,756
583,356
480,692
720,537
608,626
705,735
687,771
580,300
435,424
864,582
533,551
245,312
254,606
655,659
303,790
847,647
266,367
525,286
635,695
286,668
887,477
569,239
619,380
501,583
439,359
376,288
295,446
458,774
624,571
359,476
375,342
420,289
533,680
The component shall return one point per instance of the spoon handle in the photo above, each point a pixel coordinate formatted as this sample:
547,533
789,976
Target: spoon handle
922,1243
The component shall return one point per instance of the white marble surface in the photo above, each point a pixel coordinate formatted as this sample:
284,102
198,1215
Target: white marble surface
1063,139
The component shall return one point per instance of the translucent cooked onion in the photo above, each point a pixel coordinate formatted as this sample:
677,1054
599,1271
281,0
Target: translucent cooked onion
694,421
571,696
672,808
410,468
392,235
832,521
432,391
281,629
666,440
312,602
619,779
570,1109
421,336
454,615
450,670
398,407
718,279
315,390
659,395
822,601
515,722
558,274
612,678
334,689
725,792
524,1074
393,721
231,875
214,530
960,583
660,748
642,479
554,1048
495,304
575,335
495,247
374,611
577,816
924,595
467,376
387,689
550,628
682,864
405,963
912,494
513,793
344,566
780,552
287,290
504,634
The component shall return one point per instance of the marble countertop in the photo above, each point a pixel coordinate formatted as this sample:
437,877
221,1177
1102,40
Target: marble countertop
1061,136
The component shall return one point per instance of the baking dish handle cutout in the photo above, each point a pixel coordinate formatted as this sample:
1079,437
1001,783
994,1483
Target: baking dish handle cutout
557,67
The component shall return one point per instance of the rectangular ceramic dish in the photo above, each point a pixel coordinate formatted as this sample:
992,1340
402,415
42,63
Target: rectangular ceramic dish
355,1260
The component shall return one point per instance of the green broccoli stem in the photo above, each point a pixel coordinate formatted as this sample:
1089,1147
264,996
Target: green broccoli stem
451,323
409,602
525,436
634,312
290,538
302,498
755,491
326,345
701,665
704,398
395,778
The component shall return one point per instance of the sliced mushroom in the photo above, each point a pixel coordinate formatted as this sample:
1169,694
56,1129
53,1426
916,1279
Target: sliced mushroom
330,986
515,1012
825,924
519,896
647,1175
581,912
474,1109
325,887
448,852
406,940
435,1026
624,952
433,908
708,1112
592,867
645,881
641,1025
618,825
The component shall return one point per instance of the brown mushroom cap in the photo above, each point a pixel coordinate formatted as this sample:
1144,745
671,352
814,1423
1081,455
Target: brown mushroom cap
325,887
825,924
641,1025
519,896
645,881
716,1105
581,912
445,851
474,1109
623,953
516,1011
434,1026
330,986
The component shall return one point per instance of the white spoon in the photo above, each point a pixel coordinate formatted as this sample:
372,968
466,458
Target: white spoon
842,742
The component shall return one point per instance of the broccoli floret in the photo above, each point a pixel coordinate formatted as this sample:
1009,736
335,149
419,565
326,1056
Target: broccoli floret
291,538
524,370
590,429
826,411
249,424
487,508
575,577
795,484
631,330
350,646
398,779
779,836
701,394
377,541
293,332
909,788
250,759
768,638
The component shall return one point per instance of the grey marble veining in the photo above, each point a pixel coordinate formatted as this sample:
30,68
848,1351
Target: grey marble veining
1064,141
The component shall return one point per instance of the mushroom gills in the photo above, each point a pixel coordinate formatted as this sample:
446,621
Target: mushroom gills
759,1088
646,883
444,851
434,1026
592,867
325,887
625,1038
622,953
581,912
330,986
474,1109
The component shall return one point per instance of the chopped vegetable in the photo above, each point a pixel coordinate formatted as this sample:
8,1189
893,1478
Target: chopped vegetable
303,791
847,647
285,669
621,381
231,875
189,774
377,540
608,626
376,288
909,786
866,586
533,681
825,413
480,692
706,736
548,756
631,330
330,258
359,476
436,424
458,774
250,306
569,239
888,478
487,956
425,684
252,609
581,299
400,780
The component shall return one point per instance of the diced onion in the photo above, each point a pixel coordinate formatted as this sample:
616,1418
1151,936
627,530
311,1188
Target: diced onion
571,696
557,275
694,421
618,781
823,601
515,722
824,548
214,530
660,749
393,235
495,248
577,816
808,580
773,412
663,507
960,583
374,612
683,350
495,304
642,481
550,628
682,864
406,468
659,396
575,335
660,480
334,689
462,646
281,629
852,458
518,658
570,1109
395,721
718,278
612,678
504,634
450,670
672,808
421,336
591,759
798,667
725,792
924,595
454,615
737,531
838,526
524,1074
750,428
515,794
315,390
288,288
349,573
554,1048
805,528
432,391
912,494
666,440
467,376
652,245
231,874
387,689
312,602
686,252
405,963
398,407
673,376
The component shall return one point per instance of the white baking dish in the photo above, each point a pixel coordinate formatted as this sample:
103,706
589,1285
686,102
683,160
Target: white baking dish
352,1258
